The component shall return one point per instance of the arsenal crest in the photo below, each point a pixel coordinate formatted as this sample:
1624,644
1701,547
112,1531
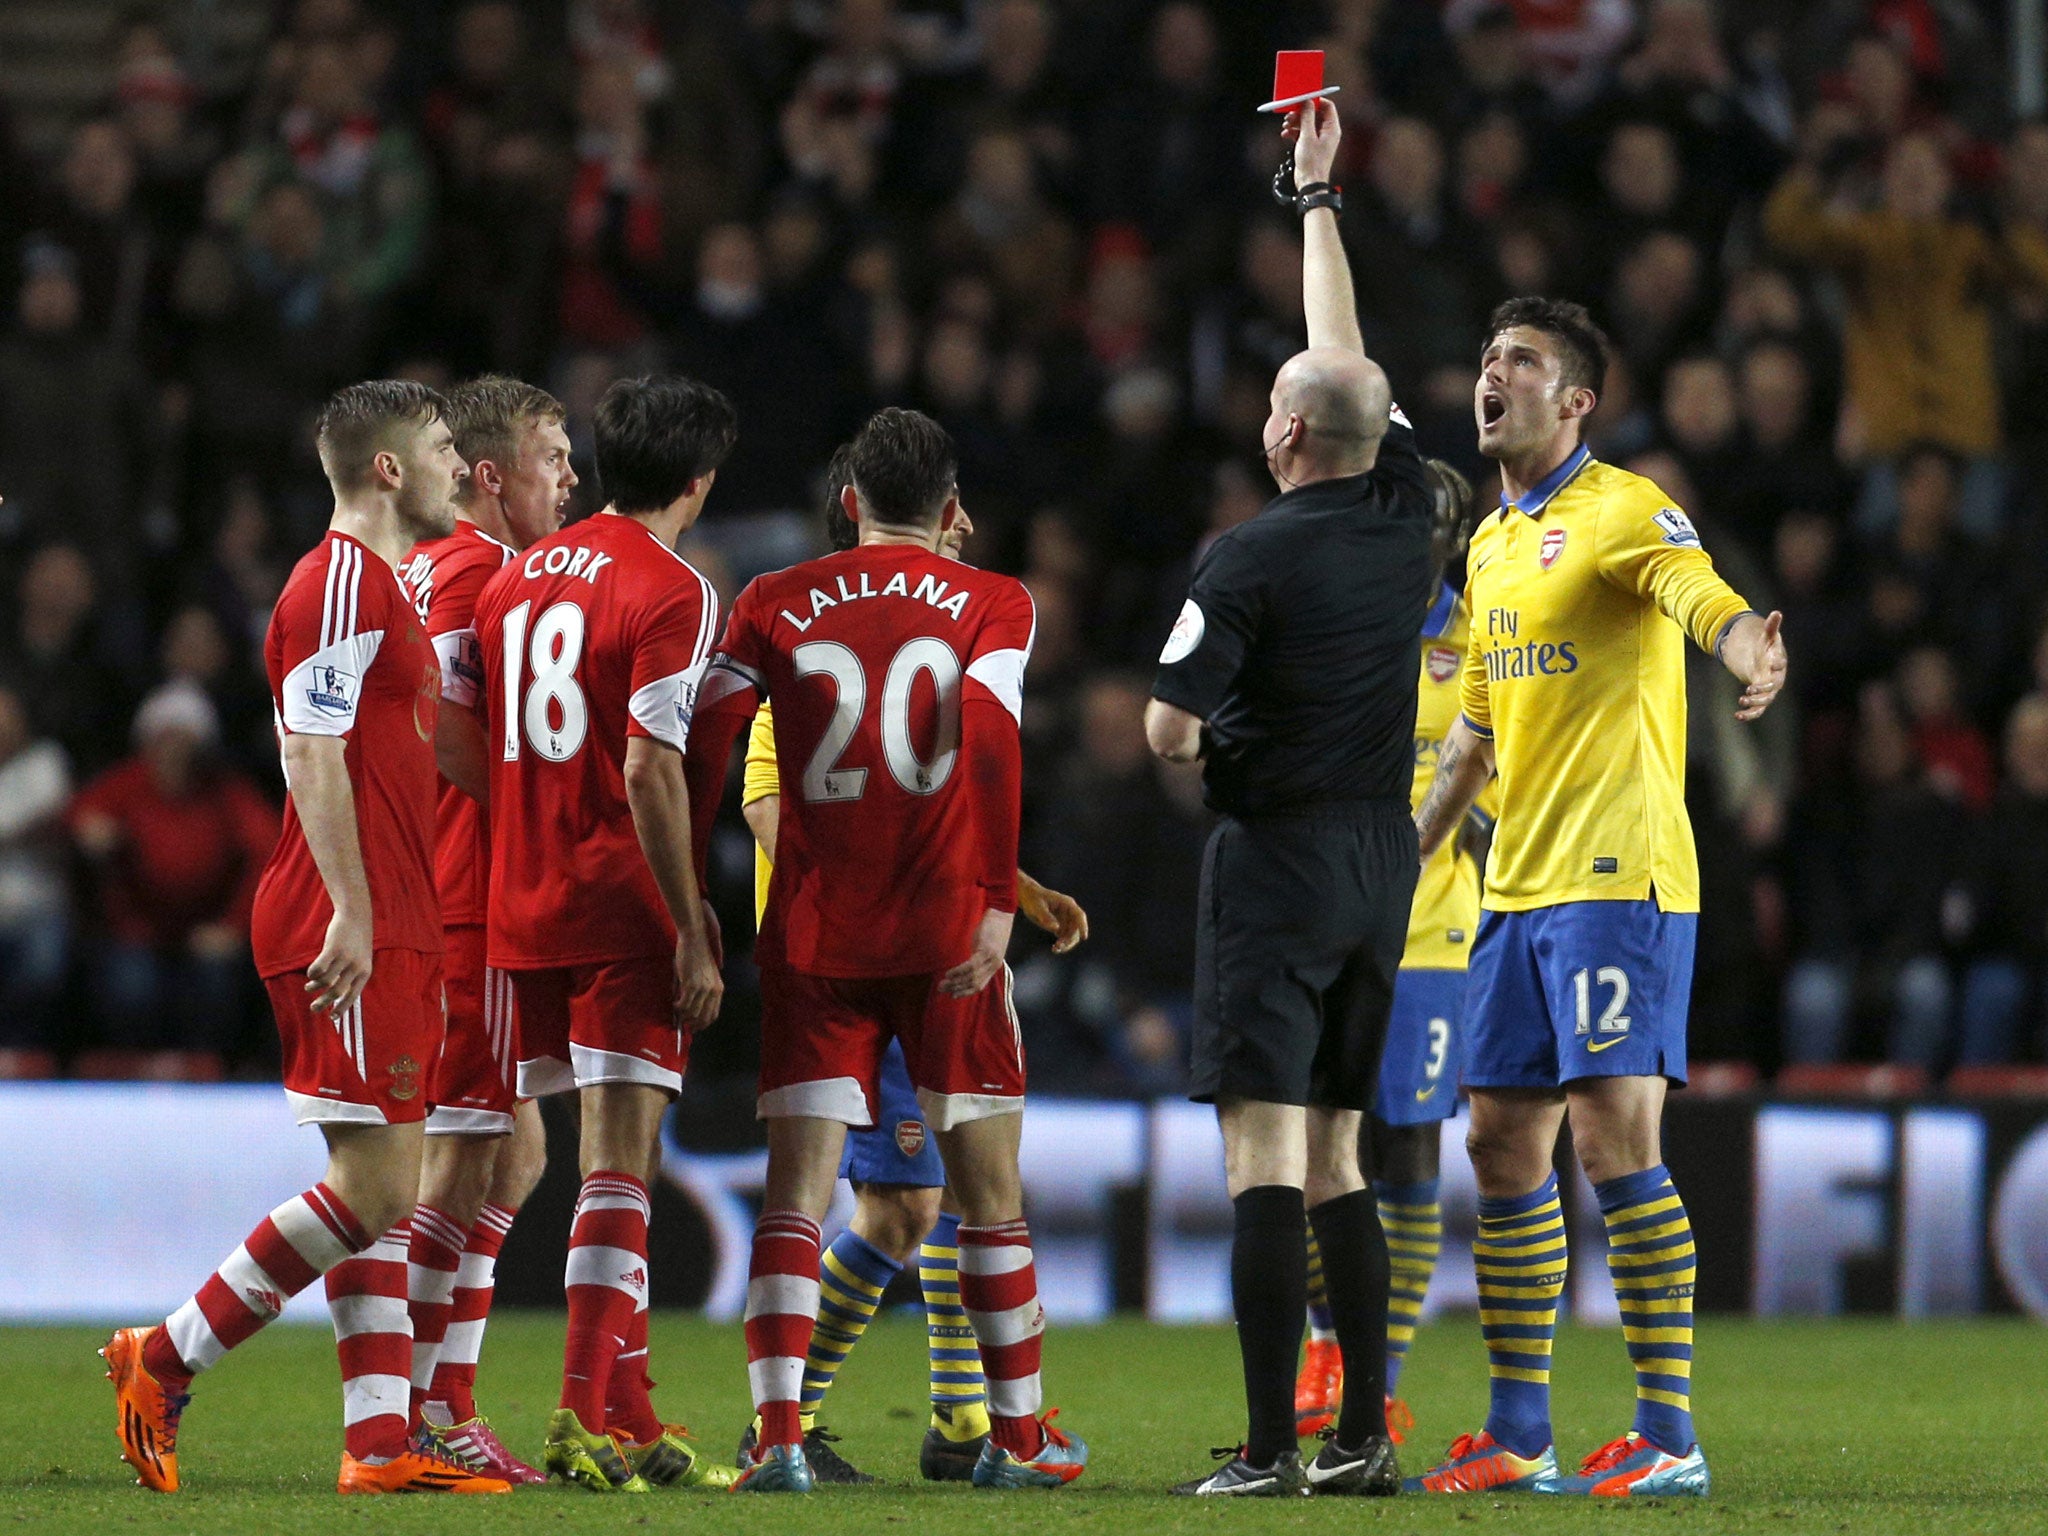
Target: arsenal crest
1442,662
1551,547
910,1137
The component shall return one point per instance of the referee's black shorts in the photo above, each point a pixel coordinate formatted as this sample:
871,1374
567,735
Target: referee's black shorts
1303,921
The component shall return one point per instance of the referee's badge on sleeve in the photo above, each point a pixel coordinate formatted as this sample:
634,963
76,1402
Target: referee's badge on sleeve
1187,634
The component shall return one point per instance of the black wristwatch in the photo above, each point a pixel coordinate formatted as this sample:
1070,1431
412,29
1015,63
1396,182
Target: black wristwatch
1319,194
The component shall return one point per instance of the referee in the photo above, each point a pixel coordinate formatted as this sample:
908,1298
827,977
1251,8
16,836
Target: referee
1291,672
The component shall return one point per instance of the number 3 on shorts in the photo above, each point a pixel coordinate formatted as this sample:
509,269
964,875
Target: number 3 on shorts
1612,1020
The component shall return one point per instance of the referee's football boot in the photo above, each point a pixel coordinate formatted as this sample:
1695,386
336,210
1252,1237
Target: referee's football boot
1368,1472
1060,1459
669,1460
1480,1464
146,1414
827,1465
586,1458
1633,1468
1237,1478
780,1469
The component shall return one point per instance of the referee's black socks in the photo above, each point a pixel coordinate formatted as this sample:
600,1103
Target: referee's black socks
1269,1291
1356,1277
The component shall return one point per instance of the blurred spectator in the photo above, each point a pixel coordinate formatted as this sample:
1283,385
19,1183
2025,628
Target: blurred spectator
1784,464
121,259
1568,46
1870,874
2006,913
1954,752
1410,255
58,663
176,842
35,906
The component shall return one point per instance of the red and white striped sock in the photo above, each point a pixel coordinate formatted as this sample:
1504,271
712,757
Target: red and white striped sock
628,1399
452,1396
782,1306
291,1248
999,1292
432,1259
606,1280
373,1337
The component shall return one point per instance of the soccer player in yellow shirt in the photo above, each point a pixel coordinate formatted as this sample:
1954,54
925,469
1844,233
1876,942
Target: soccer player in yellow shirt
1582,590
900,1207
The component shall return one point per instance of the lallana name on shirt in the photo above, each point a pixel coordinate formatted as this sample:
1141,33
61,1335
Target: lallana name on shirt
929,590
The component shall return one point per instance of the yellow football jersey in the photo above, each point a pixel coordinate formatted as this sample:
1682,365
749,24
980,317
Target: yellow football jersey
1580,597
758,781
1446,907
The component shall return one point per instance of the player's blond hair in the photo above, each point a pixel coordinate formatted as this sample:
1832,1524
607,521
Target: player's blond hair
366,419
490,414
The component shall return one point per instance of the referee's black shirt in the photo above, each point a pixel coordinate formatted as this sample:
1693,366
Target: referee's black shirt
1300,642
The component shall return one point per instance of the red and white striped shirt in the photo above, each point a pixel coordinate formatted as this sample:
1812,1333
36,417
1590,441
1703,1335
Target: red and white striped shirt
346,657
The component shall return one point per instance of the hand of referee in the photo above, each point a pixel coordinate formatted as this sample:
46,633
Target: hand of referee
991,943
1755,652
1316,133
341,970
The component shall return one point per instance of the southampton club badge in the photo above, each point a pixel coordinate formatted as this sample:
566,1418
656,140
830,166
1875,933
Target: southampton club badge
1551,547
1442,662
910,1137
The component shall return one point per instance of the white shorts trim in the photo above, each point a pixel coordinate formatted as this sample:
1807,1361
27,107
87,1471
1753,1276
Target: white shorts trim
311,1109
454,1120
587,1067
943,1111
829,1098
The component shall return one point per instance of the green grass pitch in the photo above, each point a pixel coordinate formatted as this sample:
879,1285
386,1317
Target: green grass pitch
1825,1427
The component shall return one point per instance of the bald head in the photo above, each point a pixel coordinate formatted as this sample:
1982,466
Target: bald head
1341,399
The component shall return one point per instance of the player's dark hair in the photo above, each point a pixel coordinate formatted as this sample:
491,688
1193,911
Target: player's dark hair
904,467
1581,344
840,530
363,420
1450,517
489,414
657,434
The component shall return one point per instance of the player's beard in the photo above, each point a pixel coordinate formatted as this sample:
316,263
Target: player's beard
423,514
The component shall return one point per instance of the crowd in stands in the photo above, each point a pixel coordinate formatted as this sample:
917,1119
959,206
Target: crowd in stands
1816,234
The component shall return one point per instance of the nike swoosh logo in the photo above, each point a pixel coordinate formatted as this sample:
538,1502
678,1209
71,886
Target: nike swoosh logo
1602,1045
1422,1094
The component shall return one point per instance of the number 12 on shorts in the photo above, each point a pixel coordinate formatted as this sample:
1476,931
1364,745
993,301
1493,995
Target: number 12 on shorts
1612,1020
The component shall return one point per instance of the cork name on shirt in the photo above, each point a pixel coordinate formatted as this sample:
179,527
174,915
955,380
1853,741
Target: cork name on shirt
1523,660
565,560
929,590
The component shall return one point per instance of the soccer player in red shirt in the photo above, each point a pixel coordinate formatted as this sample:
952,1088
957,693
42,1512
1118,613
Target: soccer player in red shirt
897,677
347,936
485,1150
594,642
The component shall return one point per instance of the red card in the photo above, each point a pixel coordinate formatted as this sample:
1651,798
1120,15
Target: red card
1297,78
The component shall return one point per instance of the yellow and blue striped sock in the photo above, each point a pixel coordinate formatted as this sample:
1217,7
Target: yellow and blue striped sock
1651,1255
852,1276
1414,1224
1520,1259
959,1393
1321,1327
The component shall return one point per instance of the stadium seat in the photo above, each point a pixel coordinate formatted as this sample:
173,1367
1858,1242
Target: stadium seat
2007,1082
1853,1080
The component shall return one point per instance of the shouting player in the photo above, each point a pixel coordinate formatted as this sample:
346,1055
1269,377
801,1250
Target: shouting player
593,644
485,1151
347,936
1582,590
897,676
1418,1081
899,1203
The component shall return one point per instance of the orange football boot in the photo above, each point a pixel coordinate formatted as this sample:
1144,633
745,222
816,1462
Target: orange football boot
148,1415
1400,1419
1319,1389
414,1472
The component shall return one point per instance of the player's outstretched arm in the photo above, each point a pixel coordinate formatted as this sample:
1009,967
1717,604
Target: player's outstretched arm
1754,650
1327,297
316,768
659,797
1463,767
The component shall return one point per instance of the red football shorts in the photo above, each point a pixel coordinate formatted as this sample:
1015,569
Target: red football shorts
614,1022
822,1040
367,1066
471,1087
